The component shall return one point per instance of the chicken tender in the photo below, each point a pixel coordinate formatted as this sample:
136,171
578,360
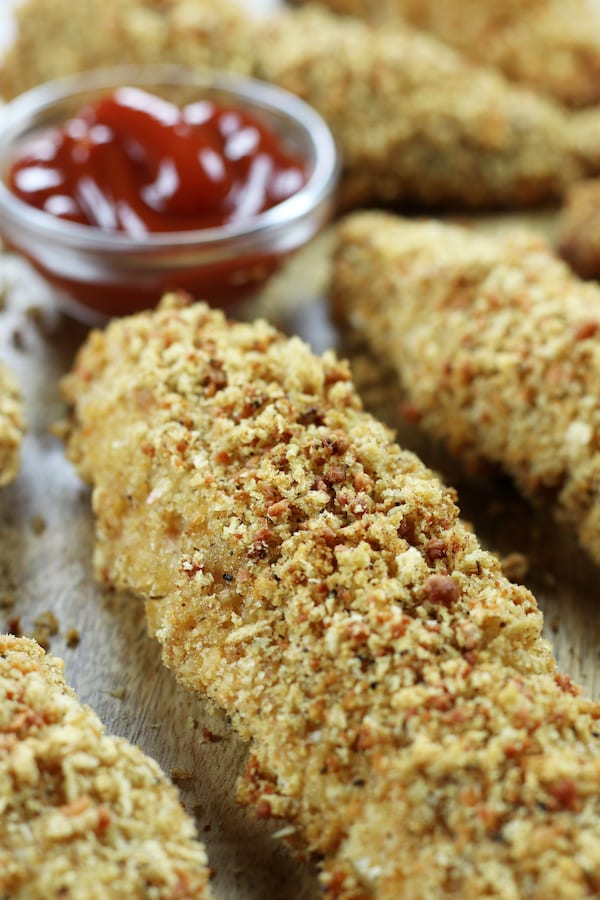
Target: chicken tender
315,580
496,342
415,122
84,815
11,426
547,45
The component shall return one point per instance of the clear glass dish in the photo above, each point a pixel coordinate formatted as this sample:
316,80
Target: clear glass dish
112,273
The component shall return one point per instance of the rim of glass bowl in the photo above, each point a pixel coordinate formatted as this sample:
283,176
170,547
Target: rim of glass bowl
20,115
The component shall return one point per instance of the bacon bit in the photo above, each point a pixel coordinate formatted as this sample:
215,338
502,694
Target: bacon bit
585,329
223,458
263,809
564,793
278,509
104,819
312,416
362,482
148,449
440,590
489,818
441,702
25,717
260,542
337,442
334,474
435,549
565,684
332,376
398,629
517,749
410,412
358,633
458,717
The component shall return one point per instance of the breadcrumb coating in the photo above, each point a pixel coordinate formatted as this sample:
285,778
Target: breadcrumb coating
12,425
414,121
546,45
496,342
579,229
82,815
316,581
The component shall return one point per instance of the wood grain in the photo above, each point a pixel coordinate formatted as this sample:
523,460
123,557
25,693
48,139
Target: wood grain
116,666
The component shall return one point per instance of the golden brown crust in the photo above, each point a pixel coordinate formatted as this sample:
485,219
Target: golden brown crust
496,343
315,580
11,426
579,229
546,45
414,121
83,815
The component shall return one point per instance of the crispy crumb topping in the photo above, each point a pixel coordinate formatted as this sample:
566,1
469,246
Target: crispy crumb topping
82,815
314,579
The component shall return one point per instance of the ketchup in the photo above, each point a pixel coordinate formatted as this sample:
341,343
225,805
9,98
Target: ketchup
136,163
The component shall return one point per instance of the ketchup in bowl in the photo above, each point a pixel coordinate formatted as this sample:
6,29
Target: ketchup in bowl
182,179
136,163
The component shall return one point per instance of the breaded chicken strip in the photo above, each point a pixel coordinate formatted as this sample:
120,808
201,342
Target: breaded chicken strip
59,37
82,815
579,229
314,579
496,342
414,121
548,45
11,426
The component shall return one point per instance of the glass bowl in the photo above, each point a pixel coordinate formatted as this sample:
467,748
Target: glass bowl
111,273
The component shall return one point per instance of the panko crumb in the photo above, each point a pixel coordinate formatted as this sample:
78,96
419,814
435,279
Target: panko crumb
496,343
406,716
12,426
84,815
